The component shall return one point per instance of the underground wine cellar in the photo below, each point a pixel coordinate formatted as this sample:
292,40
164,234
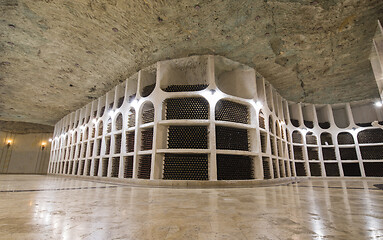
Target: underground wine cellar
209,118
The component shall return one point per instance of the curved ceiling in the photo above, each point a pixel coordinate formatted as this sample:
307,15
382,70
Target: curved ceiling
58,55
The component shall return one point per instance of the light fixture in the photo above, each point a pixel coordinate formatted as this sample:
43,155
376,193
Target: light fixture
43,145
94,121
50,140
304,130
111,113
134,103
9,142
378,104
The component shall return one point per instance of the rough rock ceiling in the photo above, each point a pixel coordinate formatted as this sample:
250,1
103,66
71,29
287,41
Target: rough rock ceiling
58,55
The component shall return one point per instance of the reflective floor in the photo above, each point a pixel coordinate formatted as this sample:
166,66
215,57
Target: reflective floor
47,207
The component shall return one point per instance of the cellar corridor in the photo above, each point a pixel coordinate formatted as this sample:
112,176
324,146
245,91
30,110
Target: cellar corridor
58,207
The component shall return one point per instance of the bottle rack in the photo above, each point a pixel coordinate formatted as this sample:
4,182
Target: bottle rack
187,119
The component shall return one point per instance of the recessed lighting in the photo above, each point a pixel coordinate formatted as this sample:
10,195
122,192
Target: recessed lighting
378,104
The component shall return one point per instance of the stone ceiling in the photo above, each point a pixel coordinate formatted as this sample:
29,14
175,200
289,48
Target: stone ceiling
58,55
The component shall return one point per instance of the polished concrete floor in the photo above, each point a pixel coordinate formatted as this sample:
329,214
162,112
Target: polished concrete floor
47,207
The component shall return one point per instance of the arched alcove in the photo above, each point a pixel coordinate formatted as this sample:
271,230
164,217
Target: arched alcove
297,137
326,138
147,112
100,128
119,121
226,110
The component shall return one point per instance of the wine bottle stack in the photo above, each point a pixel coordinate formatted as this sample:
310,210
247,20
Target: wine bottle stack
234,167
71,167
146,139
368,124
105,165
186,167
232,112
370,136
332,169
187,137
312,153
292,168
272,146
98,147
148,116
84,151
81,170
348,154
94,114
231,138
261,122
266,168
294,122
119,122
286,169
309,124
100,129
93,131
185,88
279,145
147,90
76,167
281,169
351,169
345,138
187,108
79,147
315,169
263,142
120,102
373,169
300,169
88,166
130,141
372,152
117,143
107,145
298,152
102,111
328,153
131,118
326,139
144,166
109,126
289,151
297,137
275,168
115,167
128,167
96,166
311,139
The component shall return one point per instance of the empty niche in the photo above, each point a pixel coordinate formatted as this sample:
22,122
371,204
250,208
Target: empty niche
128,167
115,167
332,169
308,115
146,139
266,168
144,166
109,125
105,164
261,119
364,113
186,108
131,87
311,138
373,169
345,138
147,113
194,137
340,116
294,114
184,75
372,152
232,138
351,169
260,87
148,80
234,167
131,118
119,121
100,128
185,167
326,139
371,136
297,137
234,78
230,111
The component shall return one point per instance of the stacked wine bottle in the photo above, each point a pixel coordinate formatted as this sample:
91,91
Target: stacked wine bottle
187,108
232,112
186,167
185,88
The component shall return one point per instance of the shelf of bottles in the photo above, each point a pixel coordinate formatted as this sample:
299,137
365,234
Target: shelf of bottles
210,118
